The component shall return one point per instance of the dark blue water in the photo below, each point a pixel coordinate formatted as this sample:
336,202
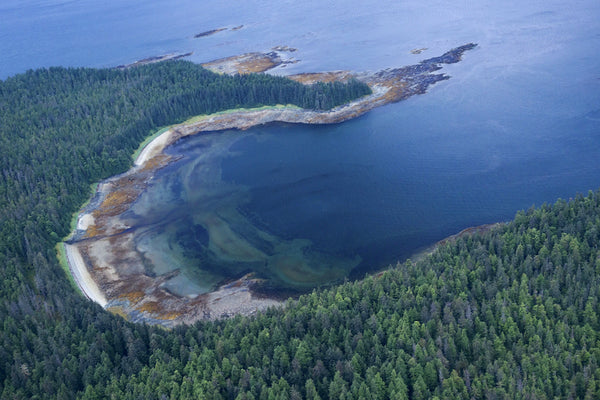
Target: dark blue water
518,124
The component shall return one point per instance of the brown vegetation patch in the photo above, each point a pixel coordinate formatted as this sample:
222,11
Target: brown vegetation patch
134,297
102,228
152,307
255,66
158,161
244,64
165,309
157,310
131,287
116,201
396,92
93,231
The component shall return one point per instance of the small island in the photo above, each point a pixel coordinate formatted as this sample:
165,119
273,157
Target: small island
101,253
209,32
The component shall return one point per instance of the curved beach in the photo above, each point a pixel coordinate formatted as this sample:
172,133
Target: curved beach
82,276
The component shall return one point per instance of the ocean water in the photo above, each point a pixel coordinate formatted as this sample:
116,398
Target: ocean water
518,124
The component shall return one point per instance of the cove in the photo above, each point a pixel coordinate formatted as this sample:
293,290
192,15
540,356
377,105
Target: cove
305,206
184,236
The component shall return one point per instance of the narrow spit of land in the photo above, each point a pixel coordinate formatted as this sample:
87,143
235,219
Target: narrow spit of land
101,252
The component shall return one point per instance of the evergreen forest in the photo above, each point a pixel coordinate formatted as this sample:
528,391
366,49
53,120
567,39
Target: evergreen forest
510,313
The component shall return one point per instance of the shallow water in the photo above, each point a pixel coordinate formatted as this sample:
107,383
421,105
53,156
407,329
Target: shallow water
518,124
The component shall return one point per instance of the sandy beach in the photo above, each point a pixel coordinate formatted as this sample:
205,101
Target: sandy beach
153,148
82,276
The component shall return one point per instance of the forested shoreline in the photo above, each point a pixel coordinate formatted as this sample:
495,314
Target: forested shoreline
512,313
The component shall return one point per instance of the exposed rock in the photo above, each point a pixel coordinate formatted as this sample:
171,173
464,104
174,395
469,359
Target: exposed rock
284,49
209,33
245,63
155,59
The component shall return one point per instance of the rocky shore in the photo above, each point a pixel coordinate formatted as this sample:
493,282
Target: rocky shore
472,230
155,59
102,253
209,32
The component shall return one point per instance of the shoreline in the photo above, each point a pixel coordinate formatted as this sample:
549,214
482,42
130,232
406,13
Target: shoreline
82,277
101,252
471,230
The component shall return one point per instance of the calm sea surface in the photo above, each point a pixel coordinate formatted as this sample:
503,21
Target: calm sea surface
517,125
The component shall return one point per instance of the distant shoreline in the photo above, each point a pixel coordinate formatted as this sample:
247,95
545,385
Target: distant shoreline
140,296
155,59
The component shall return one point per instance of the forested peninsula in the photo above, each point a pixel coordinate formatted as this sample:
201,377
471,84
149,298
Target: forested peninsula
509,313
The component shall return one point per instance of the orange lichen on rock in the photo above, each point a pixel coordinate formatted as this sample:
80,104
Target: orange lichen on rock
116,202
159,310
152,307
396,92
156,162
133,296
93,231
